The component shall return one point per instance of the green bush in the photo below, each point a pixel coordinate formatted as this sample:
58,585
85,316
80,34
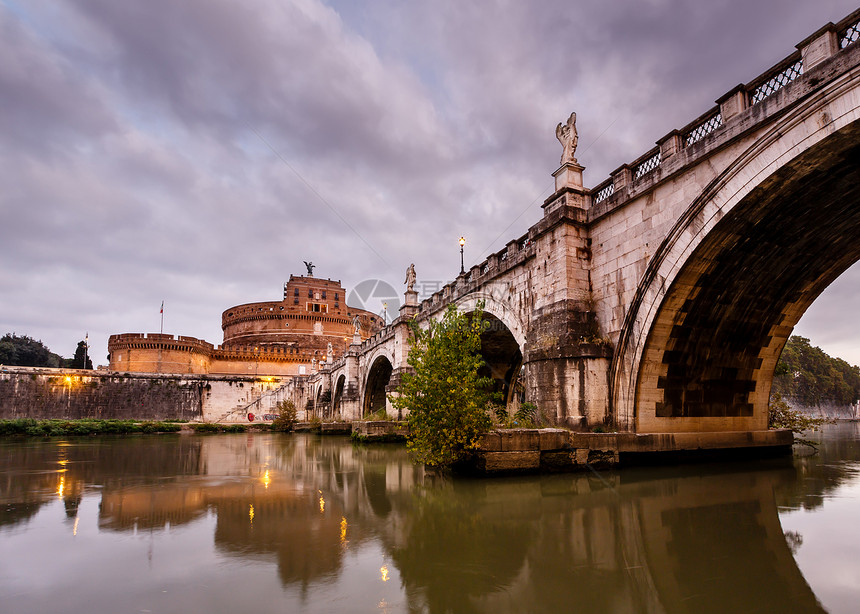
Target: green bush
527,415
206,427
448,401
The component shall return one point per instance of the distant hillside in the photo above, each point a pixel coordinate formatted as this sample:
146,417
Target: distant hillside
807,376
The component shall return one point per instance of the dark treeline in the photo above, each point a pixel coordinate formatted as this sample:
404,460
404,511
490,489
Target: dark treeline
24,351
809,376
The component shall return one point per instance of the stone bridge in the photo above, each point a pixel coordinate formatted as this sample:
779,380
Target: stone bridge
659,300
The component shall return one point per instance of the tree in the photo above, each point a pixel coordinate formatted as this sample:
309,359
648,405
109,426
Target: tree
25,351
81,354
286,419
808,376
448,401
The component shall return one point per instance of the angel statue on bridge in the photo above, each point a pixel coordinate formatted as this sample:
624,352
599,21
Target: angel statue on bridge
568,137
356,323
410,278
310,266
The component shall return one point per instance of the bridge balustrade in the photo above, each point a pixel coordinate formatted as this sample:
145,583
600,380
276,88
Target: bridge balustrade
846,33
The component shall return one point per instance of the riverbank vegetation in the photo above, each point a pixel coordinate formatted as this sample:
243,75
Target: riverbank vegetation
55,428
781,416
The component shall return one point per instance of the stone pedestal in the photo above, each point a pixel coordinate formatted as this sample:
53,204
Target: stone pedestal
568,175
410,307
569,191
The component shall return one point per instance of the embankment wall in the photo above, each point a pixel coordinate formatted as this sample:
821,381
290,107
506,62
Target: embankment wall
72,394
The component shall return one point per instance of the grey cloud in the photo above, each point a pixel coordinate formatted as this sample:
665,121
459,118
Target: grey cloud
45,103
137,175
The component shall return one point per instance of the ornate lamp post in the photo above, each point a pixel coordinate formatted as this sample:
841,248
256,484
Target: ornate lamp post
462,243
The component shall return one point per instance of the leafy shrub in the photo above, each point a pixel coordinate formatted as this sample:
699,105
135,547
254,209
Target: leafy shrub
781,416
527,415
286,419
448,401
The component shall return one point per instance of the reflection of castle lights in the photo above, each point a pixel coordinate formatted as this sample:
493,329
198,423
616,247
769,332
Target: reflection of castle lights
343,526
251,513
61,487
75,528
383,573
266,479
322,503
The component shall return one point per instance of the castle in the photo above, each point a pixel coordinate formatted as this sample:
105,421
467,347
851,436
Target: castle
312,325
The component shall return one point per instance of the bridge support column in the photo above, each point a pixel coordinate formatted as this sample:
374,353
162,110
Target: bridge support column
350,400
567,367
402,343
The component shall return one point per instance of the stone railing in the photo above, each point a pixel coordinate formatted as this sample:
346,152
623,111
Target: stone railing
513,254
818,47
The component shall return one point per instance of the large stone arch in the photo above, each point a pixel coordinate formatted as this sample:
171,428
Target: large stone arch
725,288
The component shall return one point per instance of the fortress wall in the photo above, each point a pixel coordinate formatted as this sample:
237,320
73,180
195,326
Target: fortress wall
65,393
43,393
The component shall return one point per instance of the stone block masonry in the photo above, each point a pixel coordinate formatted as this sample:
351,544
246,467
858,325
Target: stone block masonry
513,451
77,394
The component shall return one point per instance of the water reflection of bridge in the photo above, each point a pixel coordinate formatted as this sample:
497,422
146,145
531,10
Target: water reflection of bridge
643,540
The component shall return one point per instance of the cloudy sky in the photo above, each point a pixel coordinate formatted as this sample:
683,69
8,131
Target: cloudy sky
197,151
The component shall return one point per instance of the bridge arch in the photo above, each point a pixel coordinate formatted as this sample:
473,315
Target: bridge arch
503,360
337,397
378,376
495,305
724,290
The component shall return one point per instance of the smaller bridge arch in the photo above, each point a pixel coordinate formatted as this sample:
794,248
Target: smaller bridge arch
337,397
380,368
492,300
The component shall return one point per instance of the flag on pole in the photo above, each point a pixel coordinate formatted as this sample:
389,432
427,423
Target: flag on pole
162,307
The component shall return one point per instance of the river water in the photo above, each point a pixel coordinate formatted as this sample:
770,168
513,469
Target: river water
298,523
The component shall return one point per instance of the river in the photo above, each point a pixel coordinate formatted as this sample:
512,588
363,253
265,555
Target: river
298,523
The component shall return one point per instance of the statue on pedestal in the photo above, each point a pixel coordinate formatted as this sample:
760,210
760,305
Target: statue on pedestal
568,137
410,278
357,325
311,265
